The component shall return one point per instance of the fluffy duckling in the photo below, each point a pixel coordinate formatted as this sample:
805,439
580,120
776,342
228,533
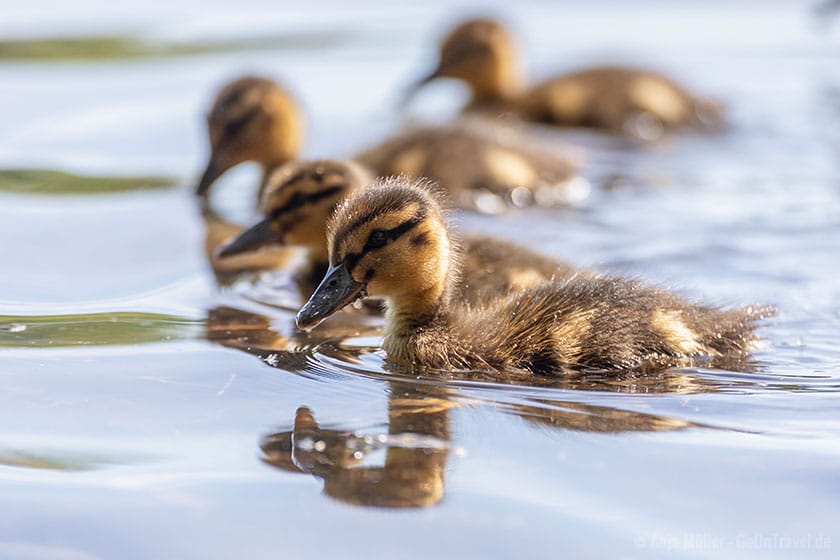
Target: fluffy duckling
471,159
300,197
392,240
482,53
252,119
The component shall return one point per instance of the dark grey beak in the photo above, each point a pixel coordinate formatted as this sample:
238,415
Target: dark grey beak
412,90
211,173
336,290
257,236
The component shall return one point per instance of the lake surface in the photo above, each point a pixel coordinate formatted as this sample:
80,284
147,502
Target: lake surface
147,412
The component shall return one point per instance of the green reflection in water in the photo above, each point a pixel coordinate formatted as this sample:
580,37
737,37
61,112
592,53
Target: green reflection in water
52,182
52,461
95,329
114,47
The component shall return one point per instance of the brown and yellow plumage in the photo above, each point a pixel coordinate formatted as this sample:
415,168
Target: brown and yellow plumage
301,196
470,158
392,240
252,119
482,54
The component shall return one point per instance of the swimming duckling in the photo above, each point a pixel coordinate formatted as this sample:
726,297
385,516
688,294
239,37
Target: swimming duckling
301,196
482,53
298,199
252,119
392,240
472,160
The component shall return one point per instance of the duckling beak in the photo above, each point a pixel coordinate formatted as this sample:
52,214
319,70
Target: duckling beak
336,290
412,90
211,173
255,237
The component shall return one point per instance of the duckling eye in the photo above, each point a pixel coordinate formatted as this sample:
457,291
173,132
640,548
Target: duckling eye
377,238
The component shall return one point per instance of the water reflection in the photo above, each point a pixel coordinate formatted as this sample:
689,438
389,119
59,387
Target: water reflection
416,446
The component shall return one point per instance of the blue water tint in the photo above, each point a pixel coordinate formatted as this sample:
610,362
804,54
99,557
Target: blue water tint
235,436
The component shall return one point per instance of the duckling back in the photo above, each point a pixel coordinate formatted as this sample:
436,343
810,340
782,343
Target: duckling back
605,323
618,99
492,267
470,158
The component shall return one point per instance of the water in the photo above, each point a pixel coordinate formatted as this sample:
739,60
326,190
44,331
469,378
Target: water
147,413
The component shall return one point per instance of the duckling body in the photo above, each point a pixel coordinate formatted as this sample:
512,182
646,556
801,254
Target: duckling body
482,54
616,98
252,119
470,159
301,196
392,241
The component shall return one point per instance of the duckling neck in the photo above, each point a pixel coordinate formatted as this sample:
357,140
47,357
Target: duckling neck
421,311
494,91
502,84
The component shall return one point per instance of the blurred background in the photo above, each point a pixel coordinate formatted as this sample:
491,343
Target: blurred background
135,421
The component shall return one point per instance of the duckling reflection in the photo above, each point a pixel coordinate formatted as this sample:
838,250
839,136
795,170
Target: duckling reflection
261,336
252,119
482,53
418,443
416,449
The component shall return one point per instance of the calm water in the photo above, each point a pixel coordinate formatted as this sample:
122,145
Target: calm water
147,413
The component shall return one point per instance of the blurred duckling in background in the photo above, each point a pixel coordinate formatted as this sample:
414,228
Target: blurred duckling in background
300,197
482,53
392,240
296,204
252,119
484,166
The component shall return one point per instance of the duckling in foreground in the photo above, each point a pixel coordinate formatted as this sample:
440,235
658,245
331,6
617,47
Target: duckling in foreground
300,197
482,53
472,159
392,240
252,119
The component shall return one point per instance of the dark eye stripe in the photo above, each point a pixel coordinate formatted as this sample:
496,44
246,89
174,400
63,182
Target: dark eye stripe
391,234
233,127
300,199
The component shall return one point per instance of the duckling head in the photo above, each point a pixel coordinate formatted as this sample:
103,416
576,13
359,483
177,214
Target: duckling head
480,52
297,202
252,119
389,240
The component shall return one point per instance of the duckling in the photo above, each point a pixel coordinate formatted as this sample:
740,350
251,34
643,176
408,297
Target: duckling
472,159
252,119
392,240
482,53
300,197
